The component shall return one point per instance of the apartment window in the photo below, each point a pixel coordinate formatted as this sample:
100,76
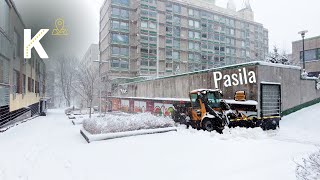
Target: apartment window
204,45
197,46
232,22
222,49
124,51
176,31
169,54
232,32
120,25
169,41
120,38
196,35
243,44
17,44
216,36
115,63
247,53
144,62
4,15
152,63
176,55
29,84
191,45
24,84
191,56
310,55
123,13
152,25
144,24
16,79
144,51
124,64
204,35
176,20
32,85
176,43
190,34
190,12
194,24
176,9
122,2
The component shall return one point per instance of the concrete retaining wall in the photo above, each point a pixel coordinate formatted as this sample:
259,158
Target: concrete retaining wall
294,90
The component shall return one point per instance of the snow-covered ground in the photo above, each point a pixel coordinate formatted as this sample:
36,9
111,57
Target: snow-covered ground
52,148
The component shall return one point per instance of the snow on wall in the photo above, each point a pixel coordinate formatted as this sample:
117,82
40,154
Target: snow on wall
116,123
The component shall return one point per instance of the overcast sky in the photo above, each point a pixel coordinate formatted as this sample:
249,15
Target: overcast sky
283,19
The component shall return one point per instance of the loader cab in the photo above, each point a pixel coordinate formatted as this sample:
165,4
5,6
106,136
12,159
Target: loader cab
213,97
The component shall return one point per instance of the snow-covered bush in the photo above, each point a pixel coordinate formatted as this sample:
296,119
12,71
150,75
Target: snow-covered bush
309,169
117,123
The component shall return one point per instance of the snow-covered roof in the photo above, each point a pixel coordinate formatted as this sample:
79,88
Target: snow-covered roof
199,90
252,63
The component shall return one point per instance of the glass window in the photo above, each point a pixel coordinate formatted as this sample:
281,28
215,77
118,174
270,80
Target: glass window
153,14
176,43
190,34
124,13
115,11
120,38
4,15
176,31
190,56
191,45
176,9
152,25
17,43
196,24
197,46
309,55
144,24
176,55
191,23
115,63
176,20
144,62
124,25
196,35
190,12
124,64
115,24
196,13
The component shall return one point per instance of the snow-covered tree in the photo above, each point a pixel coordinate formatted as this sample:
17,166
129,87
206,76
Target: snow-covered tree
276,57
309,169
87,82
65,70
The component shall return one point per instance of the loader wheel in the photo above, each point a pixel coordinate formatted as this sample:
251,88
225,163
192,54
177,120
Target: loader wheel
208,125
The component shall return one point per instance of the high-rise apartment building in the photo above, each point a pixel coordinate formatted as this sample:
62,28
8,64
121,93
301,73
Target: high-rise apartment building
166,37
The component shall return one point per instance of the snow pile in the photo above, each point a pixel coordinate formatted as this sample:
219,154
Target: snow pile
115,123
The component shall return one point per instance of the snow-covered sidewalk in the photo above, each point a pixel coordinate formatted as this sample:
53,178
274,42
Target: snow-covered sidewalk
52,148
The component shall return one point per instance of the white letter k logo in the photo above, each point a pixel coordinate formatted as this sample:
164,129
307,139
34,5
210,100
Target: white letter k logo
34,42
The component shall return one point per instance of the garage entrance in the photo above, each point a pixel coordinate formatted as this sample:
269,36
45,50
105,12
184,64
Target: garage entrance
270,99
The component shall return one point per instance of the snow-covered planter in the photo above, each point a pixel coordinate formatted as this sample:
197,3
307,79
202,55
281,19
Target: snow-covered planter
115,123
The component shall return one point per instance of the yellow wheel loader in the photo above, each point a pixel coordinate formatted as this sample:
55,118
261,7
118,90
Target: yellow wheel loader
208,111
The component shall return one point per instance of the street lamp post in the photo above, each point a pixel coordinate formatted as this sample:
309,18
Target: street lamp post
303,33
100,63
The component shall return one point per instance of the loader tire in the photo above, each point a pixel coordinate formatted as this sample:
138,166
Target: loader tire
208,125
